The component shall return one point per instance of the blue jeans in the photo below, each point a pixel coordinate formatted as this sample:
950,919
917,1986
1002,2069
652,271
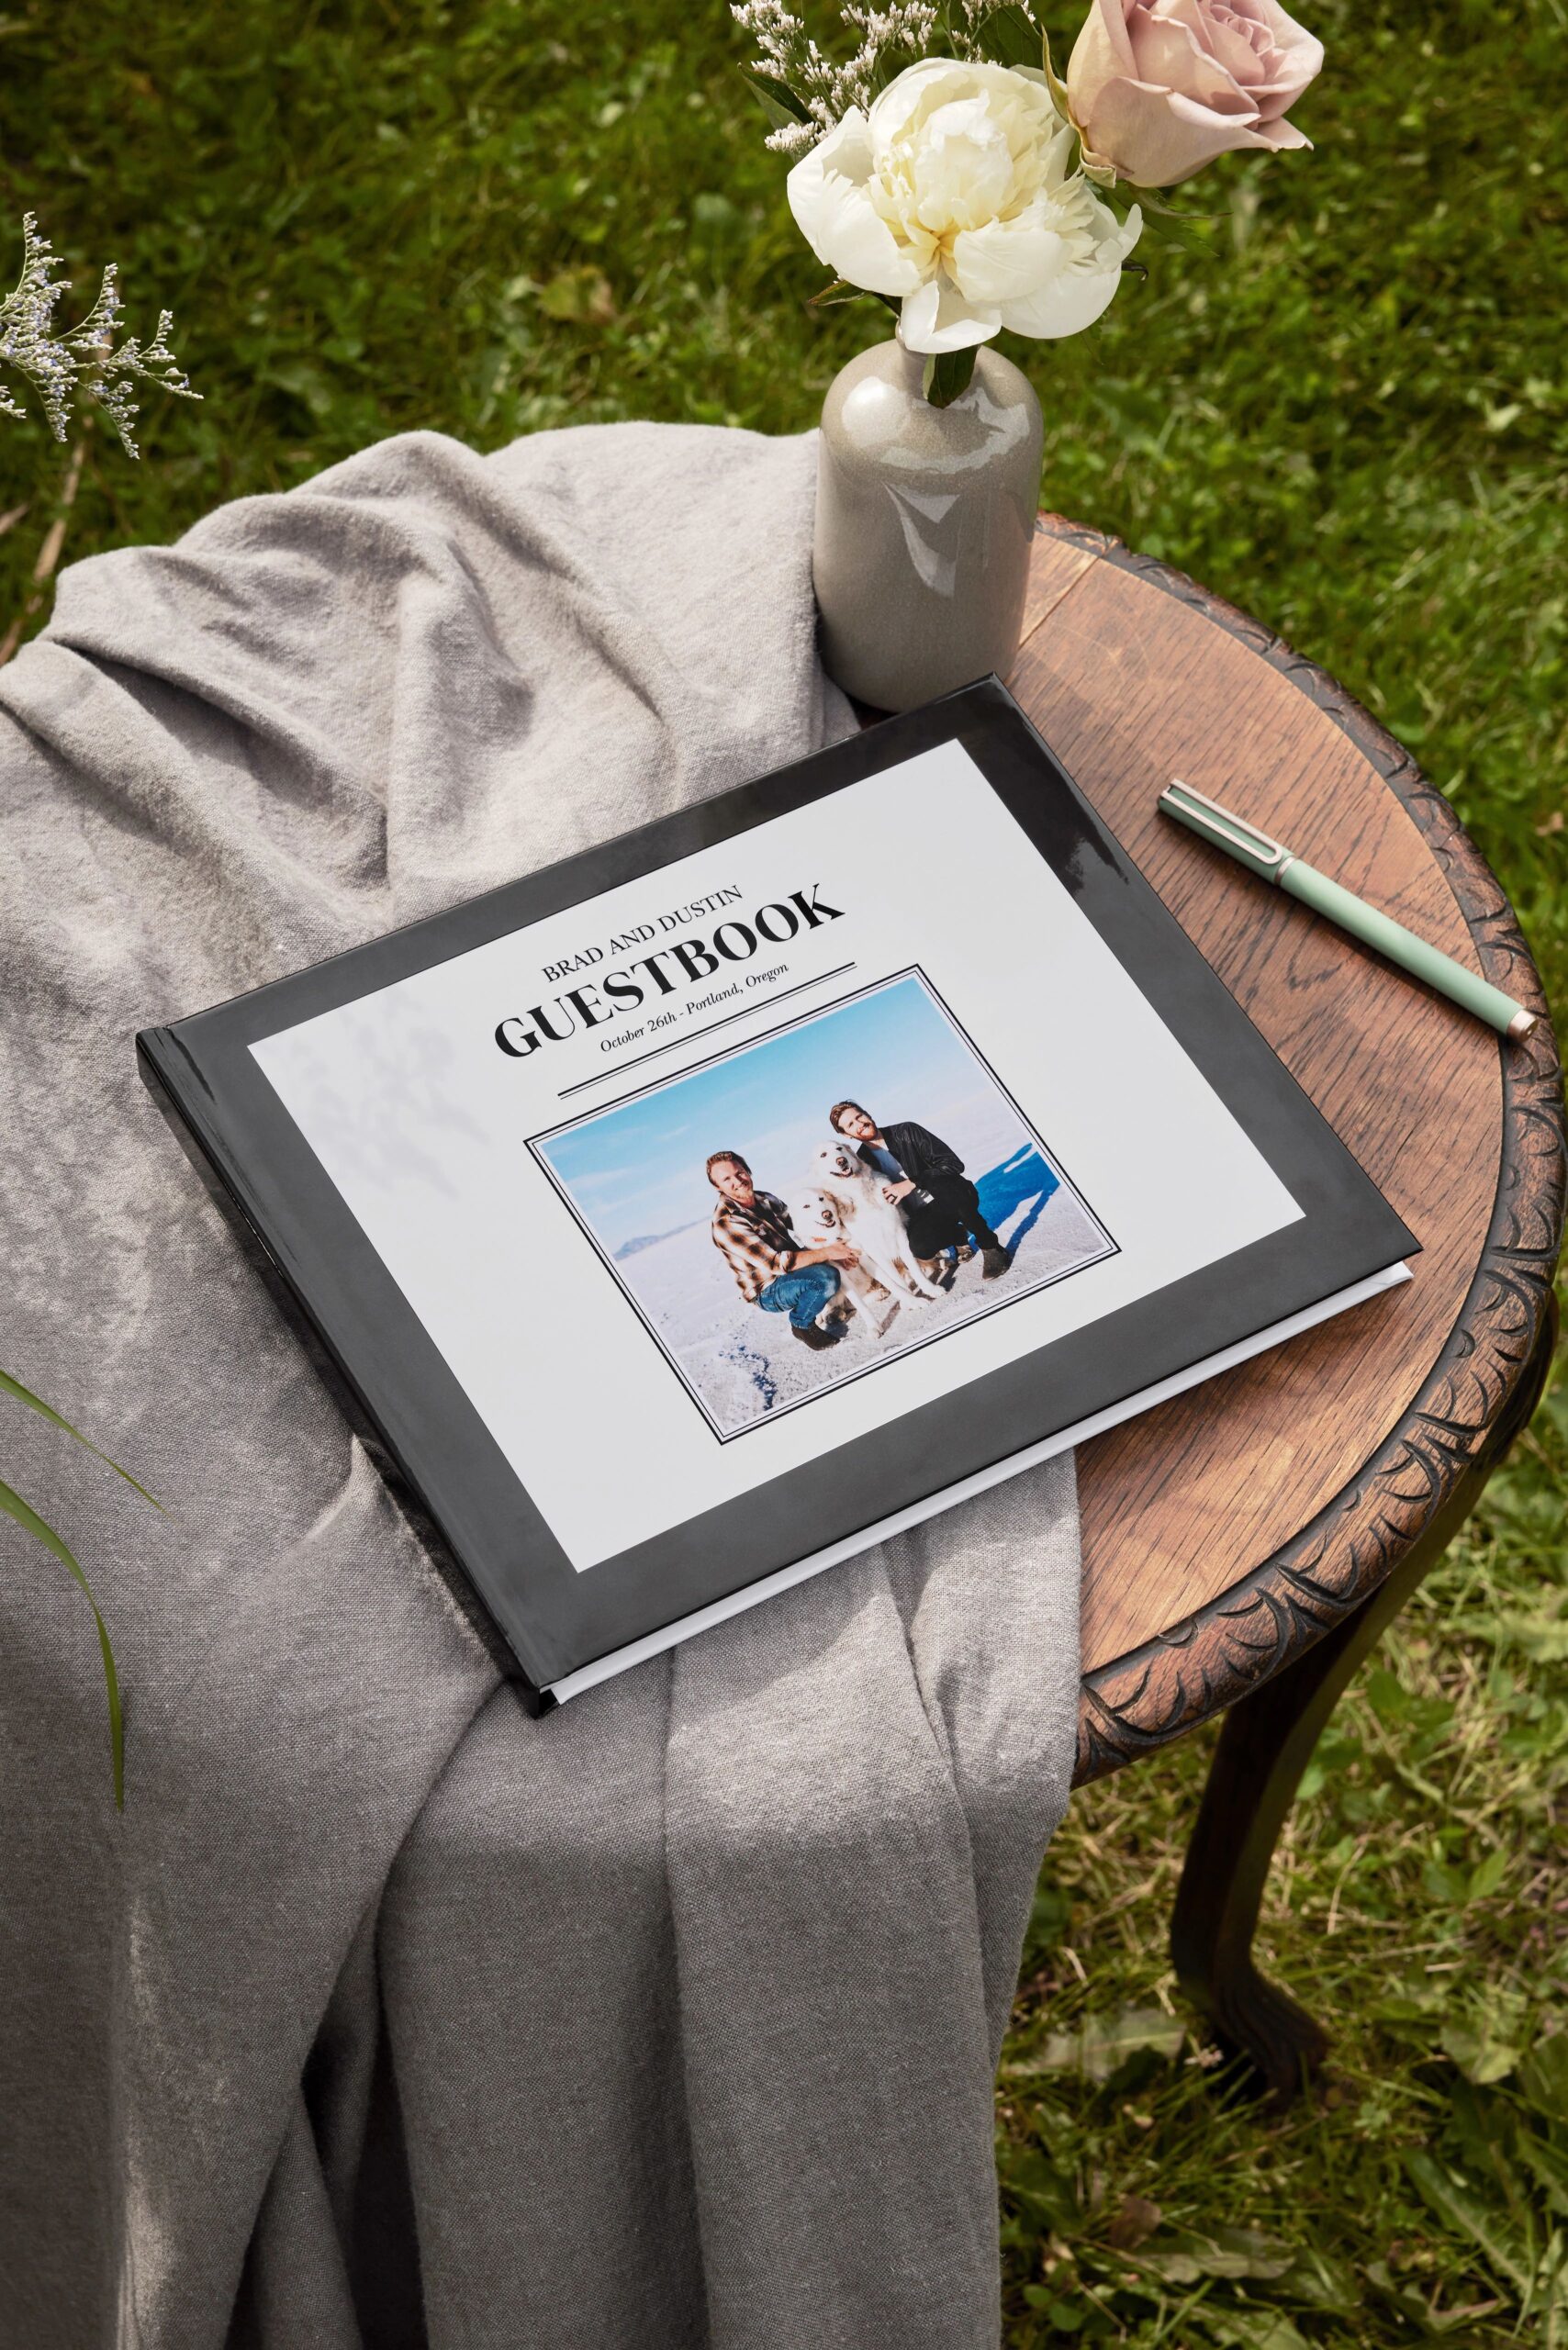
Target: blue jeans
801,1296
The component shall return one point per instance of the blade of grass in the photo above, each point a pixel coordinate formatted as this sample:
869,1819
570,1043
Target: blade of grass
9,1386
28,1517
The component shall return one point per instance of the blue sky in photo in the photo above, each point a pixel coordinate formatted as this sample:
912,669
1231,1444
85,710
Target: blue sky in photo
639,1170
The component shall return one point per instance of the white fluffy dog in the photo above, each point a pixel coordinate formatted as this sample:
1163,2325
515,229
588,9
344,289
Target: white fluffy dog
816,1219
870,1224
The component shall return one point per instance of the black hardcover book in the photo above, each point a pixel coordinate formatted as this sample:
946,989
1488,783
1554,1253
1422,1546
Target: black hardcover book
682,1219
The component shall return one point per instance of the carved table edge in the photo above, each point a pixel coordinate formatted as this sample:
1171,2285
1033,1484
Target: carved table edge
1194,1669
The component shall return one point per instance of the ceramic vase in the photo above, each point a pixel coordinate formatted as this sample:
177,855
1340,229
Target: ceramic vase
923,520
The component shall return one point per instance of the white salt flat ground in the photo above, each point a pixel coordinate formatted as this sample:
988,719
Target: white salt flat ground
747,1363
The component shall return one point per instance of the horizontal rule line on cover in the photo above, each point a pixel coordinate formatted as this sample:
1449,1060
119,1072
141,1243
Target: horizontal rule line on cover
764,1003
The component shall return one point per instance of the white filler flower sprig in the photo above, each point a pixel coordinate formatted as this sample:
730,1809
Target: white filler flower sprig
75,370
84,361
944,168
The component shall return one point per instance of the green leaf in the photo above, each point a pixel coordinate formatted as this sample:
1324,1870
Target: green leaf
1044,2193
1009,36
1481,2056
1446,1885
1180,220
1049,1919
1100,2047
1255,2329
9,1386
1451,2199
1544,2077
1409,2001
1547,2166
1321,2282
1549,2295
1183,2256
948,375
1543,1638
776,99
580,297
1386,1694
29,1518
888,64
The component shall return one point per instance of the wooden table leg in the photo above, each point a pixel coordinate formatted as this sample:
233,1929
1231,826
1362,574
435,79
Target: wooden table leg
1264,1746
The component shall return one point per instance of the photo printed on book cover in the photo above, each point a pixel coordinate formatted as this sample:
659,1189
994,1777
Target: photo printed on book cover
795,1212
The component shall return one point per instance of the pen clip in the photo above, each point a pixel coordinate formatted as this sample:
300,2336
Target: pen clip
1207,818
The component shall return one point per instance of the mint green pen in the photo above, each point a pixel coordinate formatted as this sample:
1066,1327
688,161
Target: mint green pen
1277,863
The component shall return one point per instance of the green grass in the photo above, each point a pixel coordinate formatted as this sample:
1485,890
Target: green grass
1341,402
1418,1906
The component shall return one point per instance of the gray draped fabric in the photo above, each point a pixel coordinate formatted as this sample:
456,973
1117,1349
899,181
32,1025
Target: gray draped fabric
385,2015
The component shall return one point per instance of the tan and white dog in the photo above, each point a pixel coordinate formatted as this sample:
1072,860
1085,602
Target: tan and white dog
870,1222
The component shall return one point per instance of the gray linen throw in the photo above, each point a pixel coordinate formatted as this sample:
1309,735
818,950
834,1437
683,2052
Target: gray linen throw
385,2015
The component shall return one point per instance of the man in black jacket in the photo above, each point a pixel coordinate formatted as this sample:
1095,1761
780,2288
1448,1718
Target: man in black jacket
939,1205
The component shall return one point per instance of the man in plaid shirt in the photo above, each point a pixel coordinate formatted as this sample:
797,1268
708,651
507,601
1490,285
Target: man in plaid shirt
751,1232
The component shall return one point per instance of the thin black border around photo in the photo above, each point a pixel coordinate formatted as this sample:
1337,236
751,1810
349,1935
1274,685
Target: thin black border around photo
832,1386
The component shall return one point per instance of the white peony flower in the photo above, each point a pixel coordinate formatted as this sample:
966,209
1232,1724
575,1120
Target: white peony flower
959,191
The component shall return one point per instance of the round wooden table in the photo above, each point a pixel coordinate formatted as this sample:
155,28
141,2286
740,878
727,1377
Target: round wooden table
1250,1540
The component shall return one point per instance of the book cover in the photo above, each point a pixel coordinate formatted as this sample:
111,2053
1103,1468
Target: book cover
678,1219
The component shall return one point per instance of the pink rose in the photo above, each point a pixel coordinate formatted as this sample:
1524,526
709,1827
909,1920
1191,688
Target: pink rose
1159,87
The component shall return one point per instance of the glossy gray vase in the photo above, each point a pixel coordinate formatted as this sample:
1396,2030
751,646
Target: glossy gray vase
925,516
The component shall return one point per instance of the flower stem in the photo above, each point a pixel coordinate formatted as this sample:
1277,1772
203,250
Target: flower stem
948,375
49,552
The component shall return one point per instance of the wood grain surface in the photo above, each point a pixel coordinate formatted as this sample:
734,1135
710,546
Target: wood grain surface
1224,1531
